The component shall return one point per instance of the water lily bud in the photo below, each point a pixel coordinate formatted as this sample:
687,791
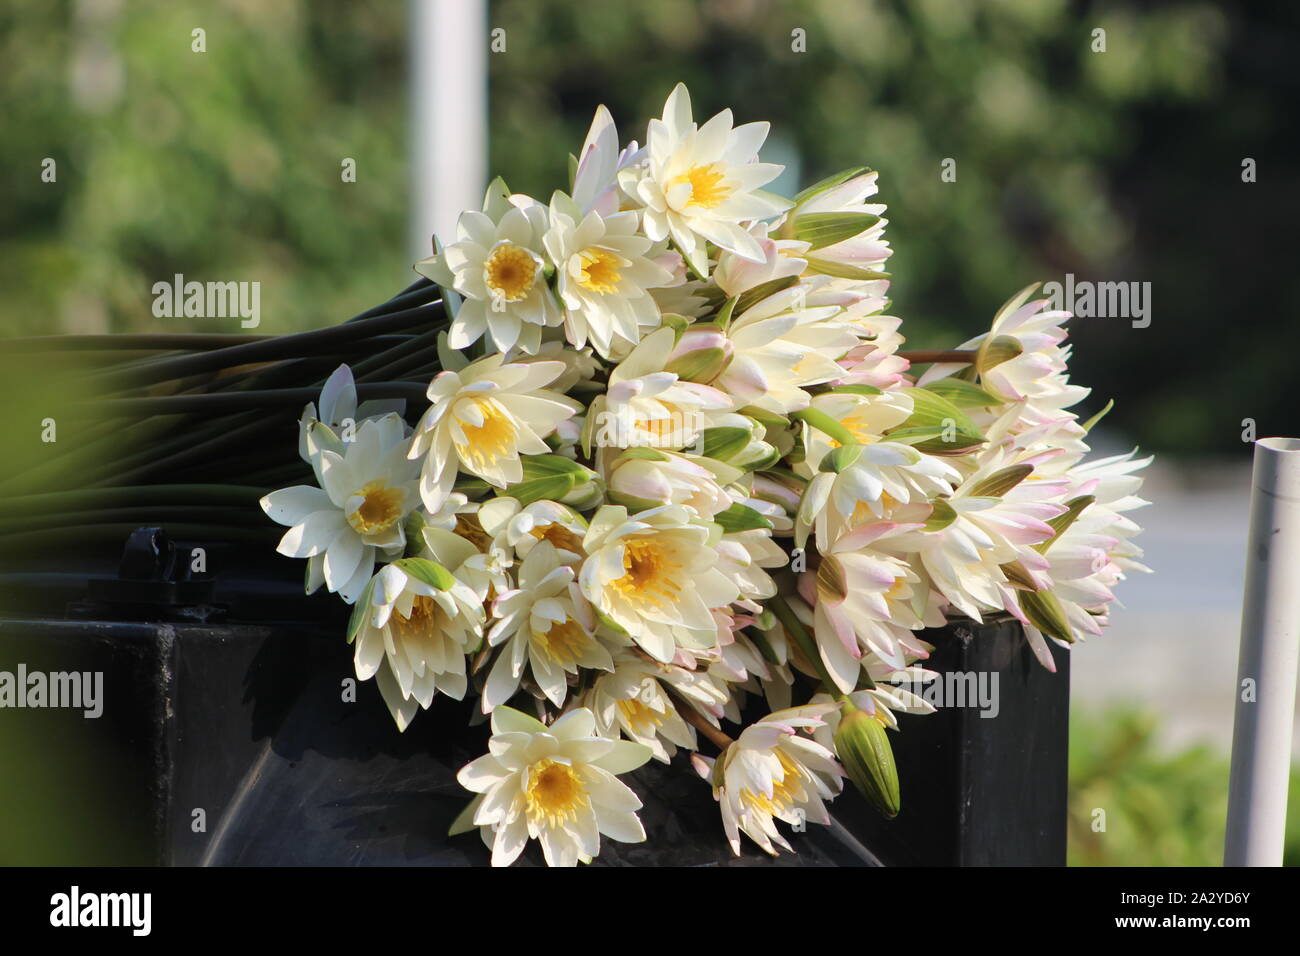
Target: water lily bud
586,495
639,483
701,355
862,744
769,489
647,478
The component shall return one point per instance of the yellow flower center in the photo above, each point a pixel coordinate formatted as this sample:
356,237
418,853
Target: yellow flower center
599,271
510,272
468,527
563,643
381,507
490,441
651,576
862,511
558,535
707,189
786,792
897,589
640,716
419,623
554,794
857,428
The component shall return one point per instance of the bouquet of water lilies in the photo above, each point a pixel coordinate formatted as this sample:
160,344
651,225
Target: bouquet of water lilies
674,471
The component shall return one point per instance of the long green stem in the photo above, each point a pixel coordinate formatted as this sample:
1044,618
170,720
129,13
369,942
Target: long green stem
142,342
223,402
827,425
46,537
278,347
139,514
83,498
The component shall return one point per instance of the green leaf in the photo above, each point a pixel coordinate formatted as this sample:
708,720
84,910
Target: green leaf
725,442
551,487
1073,508
643,453
934,439
741,518
1087,426
936,426
962,393
856,390
751,298
359,611
840,270
1000,482
821,229
830,182
430,572
544,466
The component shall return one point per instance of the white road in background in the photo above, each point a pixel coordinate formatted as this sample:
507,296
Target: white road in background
1172,648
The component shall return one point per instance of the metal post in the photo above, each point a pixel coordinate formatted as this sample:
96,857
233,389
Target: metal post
1266,669
448,116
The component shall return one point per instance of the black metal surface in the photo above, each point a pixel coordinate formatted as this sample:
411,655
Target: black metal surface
981,791
247,722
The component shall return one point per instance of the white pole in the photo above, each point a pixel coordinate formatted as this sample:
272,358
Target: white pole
448,115
1267,667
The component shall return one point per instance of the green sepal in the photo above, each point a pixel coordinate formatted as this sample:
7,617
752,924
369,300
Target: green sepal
741,518
430,572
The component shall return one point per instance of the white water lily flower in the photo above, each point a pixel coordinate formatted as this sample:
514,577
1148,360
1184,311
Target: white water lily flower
1038,374
654,575
648,407
482,418
783,344
781,260
521,528
497,265
874,362
771,772
339,412
413,640
883,476
486,571
368,487
595,182
632,700
604,275
579,364
557,785
965,557
744,556
867,601
868,249
699,184
546,625
648,478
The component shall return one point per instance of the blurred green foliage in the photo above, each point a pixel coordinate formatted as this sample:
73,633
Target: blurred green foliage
1115,165
1161,809
219,165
